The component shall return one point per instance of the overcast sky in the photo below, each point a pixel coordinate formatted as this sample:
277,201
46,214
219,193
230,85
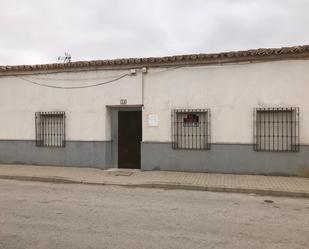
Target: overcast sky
38,31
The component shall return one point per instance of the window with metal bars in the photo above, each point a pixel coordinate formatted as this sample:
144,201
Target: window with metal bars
276,129
191,129
50,129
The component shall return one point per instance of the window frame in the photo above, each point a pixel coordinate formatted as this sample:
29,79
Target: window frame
54,137
283,138
204,142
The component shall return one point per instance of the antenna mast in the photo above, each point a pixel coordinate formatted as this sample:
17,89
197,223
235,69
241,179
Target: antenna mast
66,58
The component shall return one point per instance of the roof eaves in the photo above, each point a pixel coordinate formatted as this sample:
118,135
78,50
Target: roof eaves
191,59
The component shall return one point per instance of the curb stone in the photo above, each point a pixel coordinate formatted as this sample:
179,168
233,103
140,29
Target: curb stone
39,179
162,186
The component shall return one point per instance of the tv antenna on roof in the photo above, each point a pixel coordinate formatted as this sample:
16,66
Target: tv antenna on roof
66,58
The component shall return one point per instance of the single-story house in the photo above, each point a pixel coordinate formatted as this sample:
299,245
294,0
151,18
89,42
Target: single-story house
243,112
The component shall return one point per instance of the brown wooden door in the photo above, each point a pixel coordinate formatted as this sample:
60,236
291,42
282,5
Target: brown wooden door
129,139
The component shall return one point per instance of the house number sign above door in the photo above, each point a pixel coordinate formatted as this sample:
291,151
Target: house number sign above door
123,101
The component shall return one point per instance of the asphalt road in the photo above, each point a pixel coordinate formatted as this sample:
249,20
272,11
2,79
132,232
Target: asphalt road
43,215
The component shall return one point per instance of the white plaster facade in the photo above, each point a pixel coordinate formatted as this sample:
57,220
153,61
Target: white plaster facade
231,91
86,113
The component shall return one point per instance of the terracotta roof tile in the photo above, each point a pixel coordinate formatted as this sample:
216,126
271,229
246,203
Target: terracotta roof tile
211,58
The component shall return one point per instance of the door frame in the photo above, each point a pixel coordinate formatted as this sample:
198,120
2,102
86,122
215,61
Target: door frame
114,128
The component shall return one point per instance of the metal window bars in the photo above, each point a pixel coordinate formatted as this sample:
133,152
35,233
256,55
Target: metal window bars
50,129
276,129
191,129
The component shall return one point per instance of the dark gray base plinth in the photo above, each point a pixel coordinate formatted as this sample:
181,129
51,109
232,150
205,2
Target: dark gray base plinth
222,158
76,153
225,158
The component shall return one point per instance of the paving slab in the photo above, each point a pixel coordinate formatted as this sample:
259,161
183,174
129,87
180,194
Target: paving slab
258,184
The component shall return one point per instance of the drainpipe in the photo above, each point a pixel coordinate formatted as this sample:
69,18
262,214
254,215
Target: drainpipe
144,71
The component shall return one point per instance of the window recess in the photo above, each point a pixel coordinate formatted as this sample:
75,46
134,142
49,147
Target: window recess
276,129
191,129
50,129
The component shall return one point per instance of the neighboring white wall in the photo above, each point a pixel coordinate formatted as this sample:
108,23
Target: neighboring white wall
231,92
85,108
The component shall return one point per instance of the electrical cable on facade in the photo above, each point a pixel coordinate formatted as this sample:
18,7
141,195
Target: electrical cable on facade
70,79
72,87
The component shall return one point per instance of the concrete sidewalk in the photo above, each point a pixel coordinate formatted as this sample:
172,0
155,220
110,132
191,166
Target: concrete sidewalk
265,185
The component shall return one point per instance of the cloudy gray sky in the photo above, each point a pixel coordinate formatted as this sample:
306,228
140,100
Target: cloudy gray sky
38,31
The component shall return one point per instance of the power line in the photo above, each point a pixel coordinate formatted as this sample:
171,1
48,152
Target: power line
83,86
167,69
72,87
70,79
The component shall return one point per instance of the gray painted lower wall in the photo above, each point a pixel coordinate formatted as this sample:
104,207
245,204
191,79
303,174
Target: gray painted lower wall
225,158
76,153
222,158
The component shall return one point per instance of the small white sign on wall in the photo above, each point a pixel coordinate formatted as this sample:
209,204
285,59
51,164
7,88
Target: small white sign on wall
153,120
